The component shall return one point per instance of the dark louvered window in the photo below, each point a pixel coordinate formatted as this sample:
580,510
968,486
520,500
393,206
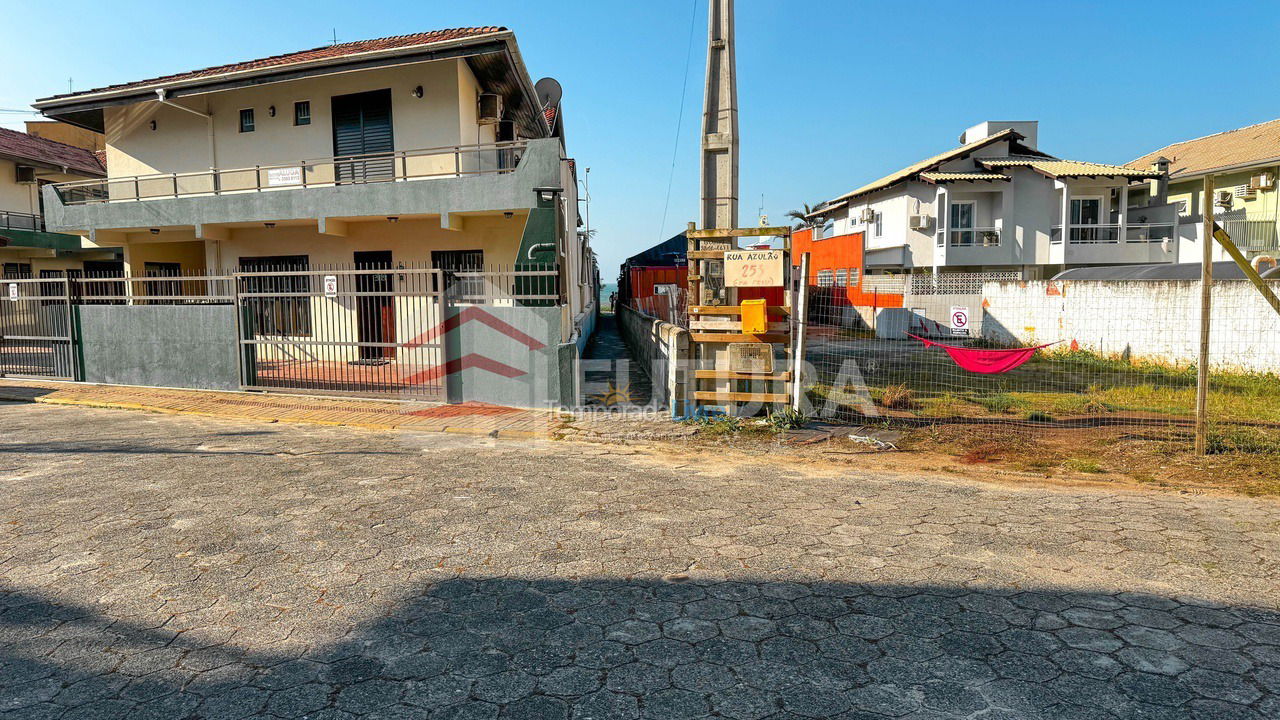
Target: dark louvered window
302,112
362,133
246,120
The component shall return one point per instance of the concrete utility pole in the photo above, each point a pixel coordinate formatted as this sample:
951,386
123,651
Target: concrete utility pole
720,121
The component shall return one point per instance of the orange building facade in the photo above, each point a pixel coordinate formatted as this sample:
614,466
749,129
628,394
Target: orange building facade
836,266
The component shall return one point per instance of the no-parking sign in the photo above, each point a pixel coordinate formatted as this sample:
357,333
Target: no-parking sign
959,320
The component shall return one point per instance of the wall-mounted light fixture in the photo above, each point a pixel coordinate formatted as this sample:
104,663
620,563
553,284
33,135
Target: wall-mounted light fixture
393,218
153,124
155,231
271,111
547,194
268,225
508,214
417,92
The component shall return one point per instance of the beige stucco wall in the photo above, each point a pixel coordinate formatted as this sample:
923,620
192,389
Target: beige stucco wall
25,198
66,134
410,242
180,141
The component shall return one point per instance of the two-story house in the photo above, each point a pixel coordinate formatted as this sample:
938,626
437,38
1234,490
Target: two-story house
1245,164
434,149
997,202
27,247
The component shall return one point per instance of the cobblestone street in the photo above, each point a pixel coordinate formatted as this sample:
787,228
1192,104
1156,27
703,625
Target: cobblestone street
175,567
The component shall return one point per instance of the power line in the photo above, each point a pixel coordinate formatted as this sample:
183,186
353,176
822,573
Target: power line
684,90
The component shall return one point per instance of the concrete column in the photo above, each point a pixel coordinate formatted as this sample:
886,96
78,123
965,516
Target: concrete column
944,224
1124,212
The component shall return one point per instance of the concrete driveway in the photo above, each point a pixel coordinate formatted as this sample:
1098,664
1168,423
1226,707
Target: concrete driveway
172,567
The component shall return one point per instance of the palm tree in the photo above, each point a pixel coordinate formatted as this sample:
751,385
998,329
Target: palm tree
802,216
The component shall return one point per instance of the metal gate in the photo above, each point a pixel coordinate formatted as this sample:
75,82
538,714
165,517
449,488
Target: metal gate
365,332
36,329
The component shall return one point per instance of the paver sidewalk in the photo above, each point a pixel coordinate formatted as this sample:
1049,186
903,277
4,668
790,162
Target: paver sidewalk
466,418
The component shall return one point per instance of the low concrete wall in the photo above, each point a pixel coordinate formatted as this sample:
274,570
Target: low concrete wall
662,349
188,346
509,356
928,316
1156,320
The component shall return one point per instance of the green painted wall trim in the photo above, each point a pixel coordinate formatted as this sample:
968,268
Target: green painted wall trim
540,228
38,239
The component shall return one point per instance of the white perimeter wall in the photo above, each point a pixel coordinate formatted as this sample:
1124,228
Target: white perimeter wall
1157,320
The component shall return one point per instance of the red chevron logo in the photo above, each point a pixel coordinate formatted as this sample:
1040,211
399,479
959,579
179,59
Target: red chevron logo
479,362
475,313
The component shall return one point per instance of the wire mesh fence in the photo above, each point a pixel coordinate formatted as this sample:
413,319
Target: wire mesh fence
986,348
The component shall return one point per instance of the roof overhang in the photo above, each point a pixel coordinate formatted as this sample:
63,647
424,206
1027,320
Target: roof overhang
484,53
46,165
1266,162
39,239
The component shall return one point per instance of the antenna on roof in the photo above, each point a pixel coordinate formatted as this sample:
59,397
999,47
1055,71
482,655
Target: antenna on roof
69,85
335,36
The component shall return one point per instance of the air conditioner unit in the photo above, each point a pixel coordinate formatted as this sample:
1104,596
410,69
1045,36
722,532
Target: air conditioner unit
490,109
1244,191
868,215
26,175
1263,181
919,222
1222,197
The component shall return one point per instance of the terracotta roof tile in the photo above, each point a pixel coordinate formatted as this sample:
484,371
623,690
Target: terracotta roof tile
1254,144
37,149
1069,168
910,170
937,177
326,52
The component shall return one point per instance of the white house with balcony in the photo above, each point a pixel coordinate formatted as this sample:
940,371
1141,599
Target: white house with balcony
998,202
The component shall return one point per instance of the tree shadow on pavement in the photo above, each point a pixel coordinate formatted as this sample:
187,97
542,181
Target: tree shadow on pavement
545,648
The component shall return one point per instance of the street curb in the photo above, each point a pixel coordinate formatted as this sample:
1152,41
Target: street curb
110,405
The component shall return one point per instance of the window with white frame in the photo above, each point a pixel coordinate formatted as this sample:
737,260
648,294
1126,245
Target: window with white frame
962,223
825,278
853,277
877,225
842,277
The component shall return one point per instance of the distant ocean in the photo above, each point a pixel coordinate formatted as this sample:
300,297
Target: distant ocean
607,289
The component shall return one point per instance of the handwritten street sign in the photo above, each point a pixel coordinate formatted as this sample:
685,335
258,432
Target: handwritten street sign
753,268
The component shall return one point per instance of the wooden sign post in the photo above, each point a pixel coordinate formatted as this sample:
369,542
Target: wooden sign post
732,366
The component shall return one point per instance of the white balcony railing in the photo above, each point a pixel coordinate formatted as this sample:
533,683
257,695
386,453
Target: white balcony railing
978,237
1110,233
1150,232
398,166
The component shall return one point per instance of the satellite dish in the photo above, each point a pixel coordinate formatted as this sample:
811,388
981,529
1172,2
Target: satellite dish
549,92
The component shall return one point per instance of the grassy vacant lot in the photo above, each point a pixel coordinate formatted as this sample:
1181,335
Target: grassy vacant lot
1077,386
1241,460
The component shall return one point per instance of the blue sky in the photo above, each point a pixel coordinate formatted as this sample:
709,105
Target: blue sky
831,94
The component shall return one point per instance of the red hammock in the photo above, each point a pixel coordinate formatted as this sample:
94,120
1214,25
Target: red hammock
988,362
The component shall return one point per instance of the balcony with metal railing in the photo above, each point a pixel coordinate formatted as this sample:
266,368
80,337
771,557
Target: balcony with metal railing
460,178
1115,243
399,166
10,220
